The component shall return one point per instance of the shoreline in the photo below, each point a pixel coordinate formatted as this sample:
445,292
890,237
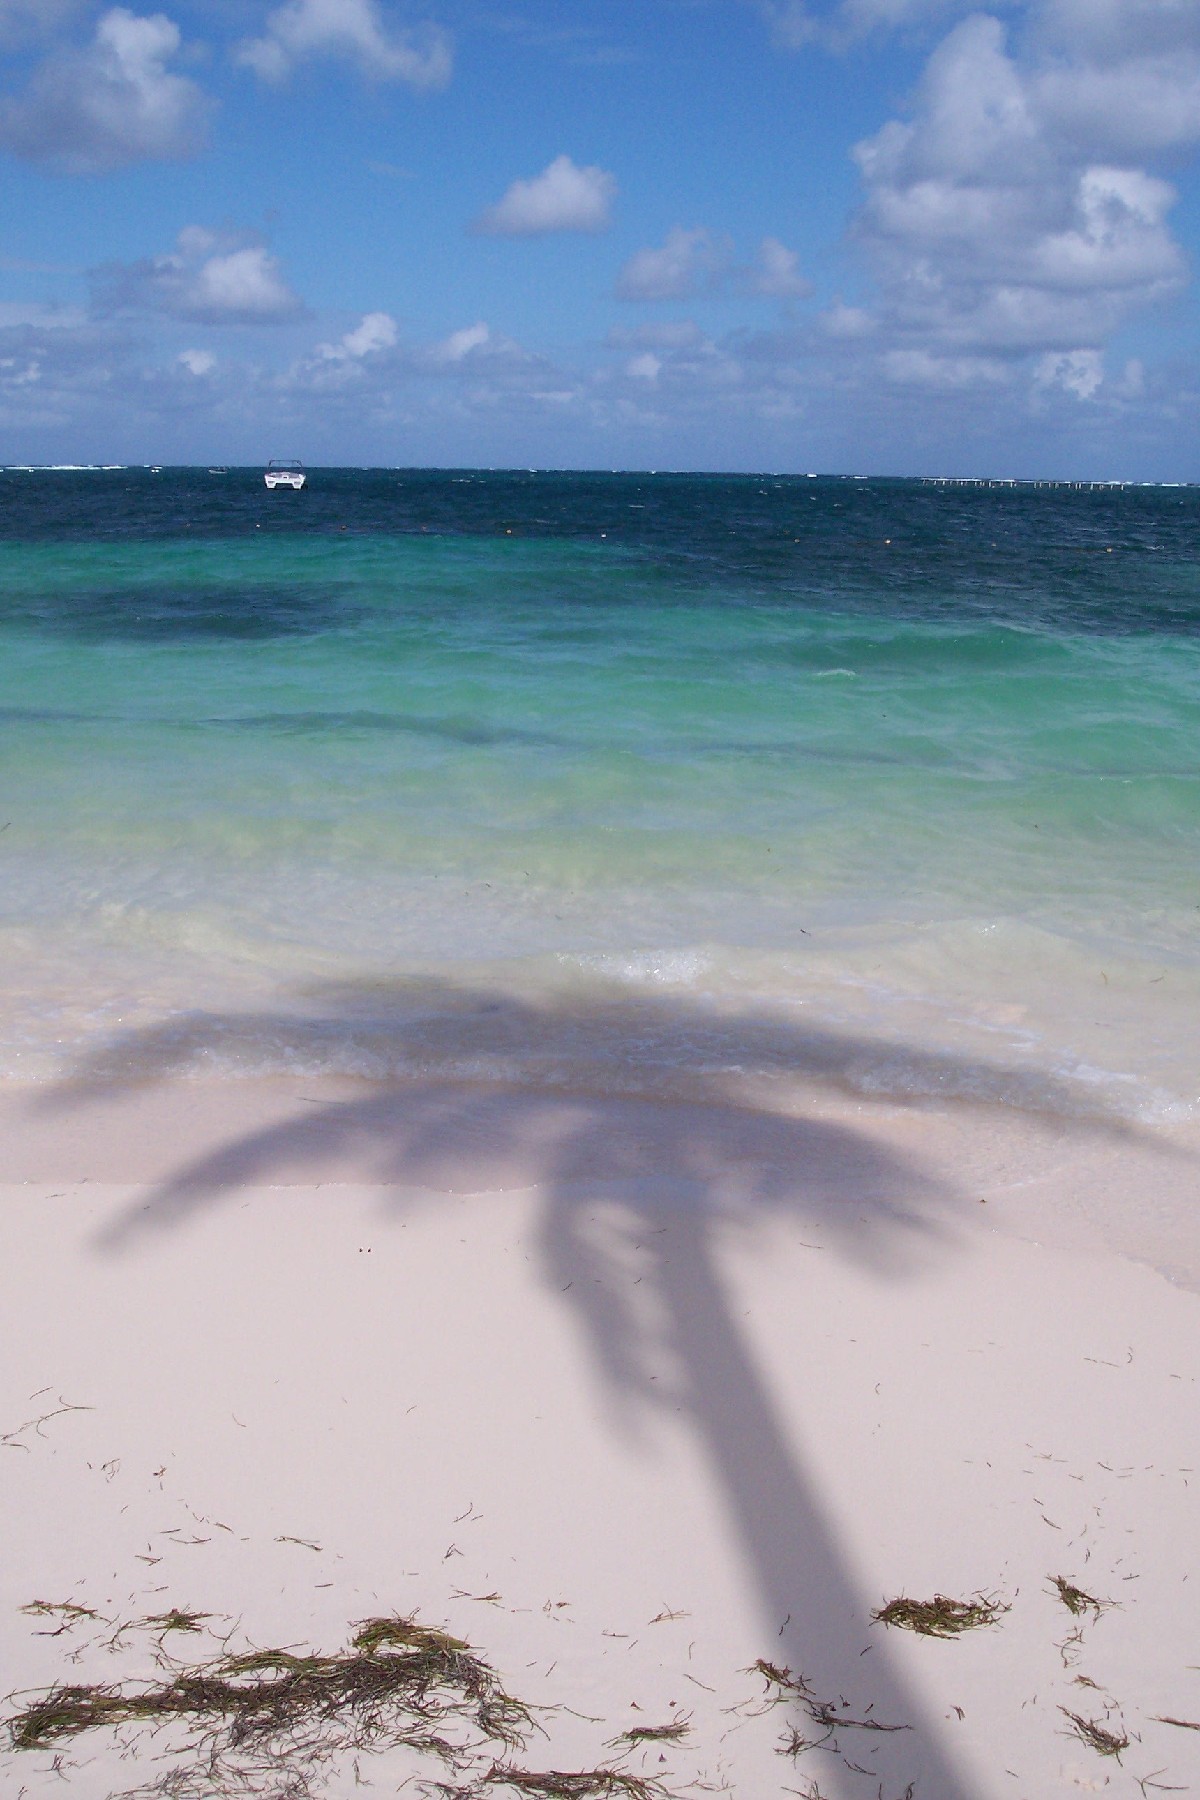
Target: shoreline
778,1140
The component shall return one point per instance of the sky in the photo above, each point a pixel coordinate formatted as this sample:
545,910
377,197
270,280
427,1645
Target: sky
894,237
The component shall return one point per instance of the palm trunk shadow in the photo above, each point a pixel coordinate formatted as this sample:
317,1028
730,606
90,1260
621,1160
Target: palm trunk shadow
786,1536
815,1619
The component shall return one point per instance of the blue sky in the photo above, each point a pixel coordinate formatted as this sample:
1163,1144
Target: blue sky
896,236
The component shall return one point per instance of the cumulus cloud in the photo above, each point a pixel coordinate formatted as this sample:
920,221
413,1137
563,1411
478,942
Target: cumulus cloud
377,331
372,361
848,322
197,362
360,360
460,344
683,368
1119,76
1006,215
210,278
563,197
687,263
1115,30
1077,372
1132,383
470,372
691,263
352,29
920,369
115,102
775,273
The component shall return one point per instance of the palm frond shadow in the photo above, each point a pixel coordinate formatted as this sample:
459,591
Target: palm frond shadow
645,1126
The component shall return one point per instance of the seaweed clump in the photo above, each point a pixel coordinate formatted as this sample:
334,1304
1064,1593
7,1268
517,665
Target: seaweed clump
670,1733
263,1725
397,1683
1097,1736
177,1619
567,1784
940,1617
1075,1600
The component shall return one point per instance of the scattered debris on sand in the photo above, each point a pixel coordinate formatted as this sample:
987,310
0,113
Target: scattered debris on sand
940,1617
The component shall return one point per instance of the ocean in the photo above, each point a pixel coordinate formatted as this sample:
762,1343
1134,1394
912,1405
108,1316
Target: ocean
347,781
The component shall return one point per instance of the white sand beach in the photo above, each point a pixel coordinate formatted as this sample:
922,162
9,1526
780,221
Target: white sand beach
631,1394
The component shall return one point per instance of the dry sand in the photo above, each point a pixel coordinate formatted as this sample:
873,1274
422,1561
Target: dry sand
631,1396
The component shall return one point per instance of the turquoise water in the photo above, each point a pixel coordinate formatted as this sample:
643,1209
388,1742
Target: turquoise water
925,760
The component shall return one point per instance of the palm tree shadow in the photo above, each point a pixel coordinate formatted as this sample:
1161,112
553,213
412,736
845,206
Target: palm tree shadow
640,1126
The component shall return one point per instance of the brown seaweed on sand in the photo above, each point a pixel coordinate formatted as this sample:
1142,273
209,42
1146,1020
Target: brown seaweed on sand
397,1683
670,1733
582,1784
1074,1598
264,1725
1097,1736
940,1617
65,1611
784,1686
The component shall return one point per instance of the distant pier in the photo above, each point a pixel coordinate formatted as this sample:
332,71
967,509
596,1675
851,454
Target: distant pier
1012,481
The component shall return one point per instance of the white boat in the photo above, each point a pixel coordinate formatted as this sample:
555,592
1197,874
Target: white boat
285,474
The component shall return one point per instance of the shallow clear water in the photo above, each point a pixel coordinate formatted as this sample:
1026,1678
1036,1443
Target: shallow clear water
915,762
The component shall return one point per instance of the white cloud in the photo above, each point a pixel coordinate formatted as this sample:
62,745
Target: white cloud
1004,214
646,367
841,321
1132,384
1117,238
371,361
691,263
197,362
920,369
1116,30
240,284
354,29
376,332
775,273
687,263
460,344
89,111
1078,372
487,361
1119,79
209,278
563,197
1014,209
